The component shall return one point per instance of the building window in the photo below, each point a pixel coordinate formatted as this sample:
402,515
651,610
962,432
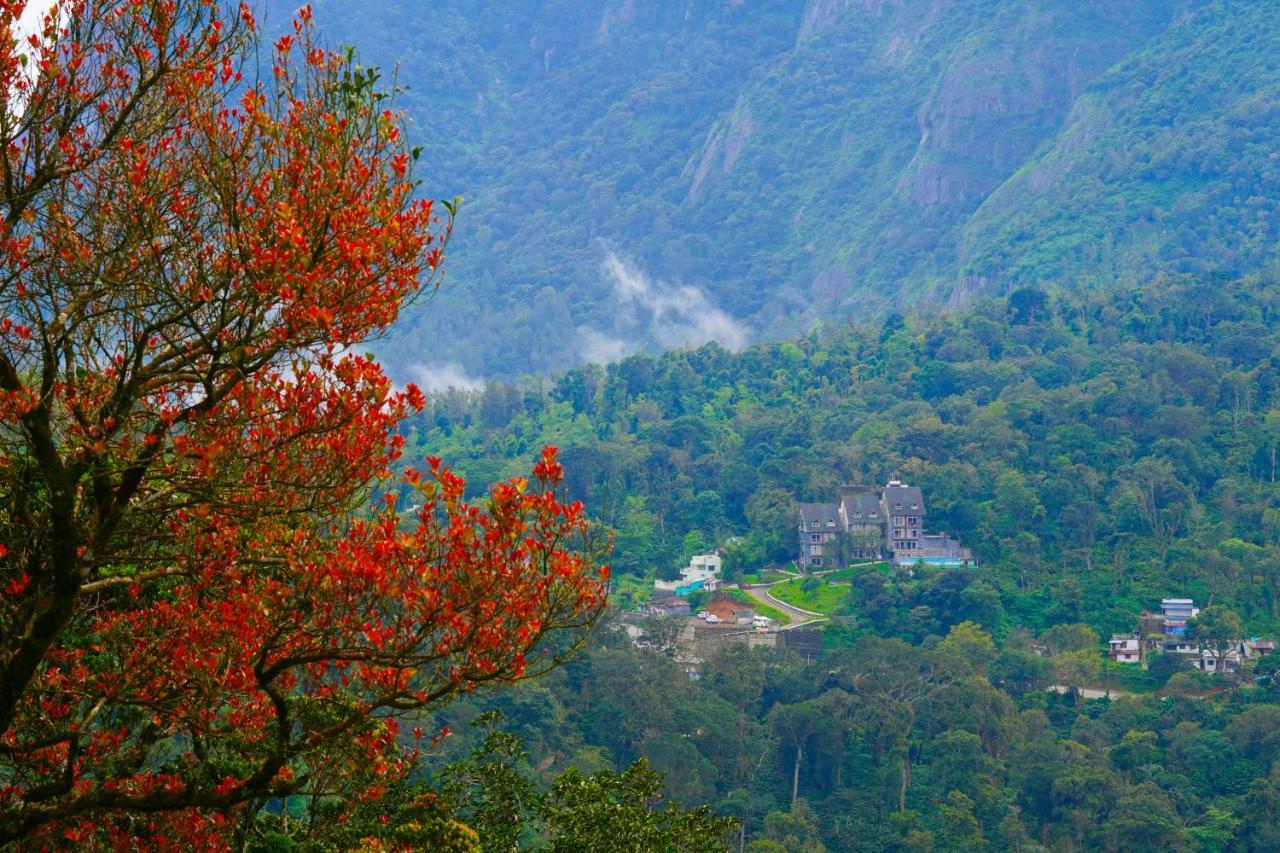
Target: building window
816,561
815,537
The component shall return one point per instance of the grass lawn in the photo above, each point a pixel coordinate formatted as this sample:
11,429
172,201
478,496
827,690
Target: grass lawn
1128,677
630,591
847,575
763,577
763,609
826,599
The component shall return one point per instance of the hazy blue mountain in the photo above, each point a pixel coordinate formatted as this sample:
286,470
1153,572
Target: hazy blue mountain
645,173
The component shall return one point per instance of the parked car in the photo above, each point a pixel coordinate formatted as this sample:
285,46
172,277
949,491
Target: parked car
703,614
712,619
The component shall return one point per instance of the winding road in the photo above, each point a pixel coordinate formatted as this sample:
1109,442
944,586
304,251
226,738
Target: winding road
798,616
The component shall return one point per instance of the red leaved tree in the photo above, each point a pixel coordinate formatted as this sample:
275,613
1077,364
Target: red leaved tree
200,609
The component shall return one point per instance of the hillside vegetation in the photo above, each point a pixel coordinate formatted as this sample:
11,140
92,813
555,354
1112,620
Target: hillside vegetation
1096,451
642,174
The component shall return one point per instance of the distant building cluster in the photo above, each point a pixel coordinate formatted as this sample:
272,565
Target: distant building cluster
702,573
1165,633
866,523
726,620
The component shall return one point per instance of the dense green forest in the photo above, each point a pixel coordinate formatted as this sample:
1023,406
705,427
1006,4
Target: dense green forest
950,745
1097,450
795,162
1087,188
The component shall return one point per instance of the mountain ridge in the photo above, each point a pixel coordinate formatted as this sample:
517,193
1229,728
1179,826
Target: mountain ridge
794,165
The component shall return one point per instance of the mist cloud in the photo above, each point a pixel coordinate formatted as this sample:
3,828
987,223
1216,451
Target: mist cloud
443,376
657,313
599,348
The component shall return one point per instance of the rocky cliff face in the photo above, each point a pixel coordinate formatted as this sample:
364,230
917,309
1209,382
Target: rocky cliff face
938,105
792,162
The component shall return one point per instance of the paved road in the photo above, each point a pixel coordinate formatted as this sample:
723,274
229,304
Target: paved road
850,566
798,617
1090,692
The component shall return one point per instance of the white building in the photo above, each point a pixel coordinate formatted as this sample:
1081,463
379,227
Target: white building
703,569
1177,613
1208,661
1126,648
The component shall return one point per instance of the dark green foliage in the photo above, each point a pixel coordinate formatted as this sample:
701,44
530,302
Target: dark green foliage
609,812
1115,449
884,745
495,792
408,816
489,792
1098,453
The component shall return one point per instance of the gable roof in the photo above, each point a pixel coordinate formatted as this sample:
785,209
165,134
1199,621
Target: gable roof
821,513
860,507
910,498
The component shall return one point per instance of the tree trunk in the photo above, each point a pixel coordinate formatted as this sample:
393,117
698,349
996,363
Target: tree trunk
795,776
906,781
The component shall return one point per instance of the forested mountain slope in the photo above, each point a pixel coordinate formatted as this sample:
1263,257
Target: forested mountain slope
1096,451
640,174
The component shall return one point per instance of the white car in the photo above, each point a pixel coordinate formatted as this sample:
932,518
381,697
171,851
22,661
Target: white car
703,614
712,619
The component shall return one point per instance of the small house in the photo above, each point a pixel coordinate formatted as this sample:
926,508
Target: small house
669,606
1177,612
1256,648
703,569
1125,648
1208,661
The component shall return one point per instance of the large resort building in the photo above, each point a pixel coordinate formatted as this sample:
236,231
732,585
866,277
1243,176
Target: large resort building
868,524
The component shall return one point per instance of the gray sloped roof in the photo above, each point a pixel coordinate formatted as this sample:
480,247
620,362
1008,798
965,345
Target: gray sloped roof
821,513
910,497
861,507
